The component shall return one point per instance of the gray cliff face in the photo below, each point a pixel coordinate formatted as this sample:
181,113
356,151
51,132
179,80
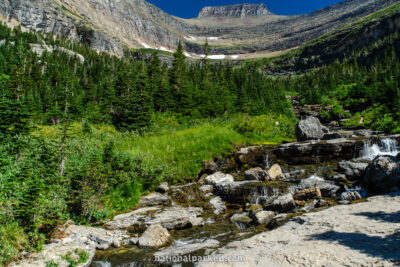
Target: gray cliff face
47,16
241,10
108,25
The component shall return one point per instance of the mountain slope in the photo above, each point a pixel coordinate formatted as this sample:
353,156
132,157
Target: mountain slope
239,31
366,39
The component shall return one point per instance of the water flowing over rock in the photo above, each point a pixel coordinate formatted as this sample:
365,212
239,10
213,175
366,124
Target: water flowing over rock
372,148
383,175
155,236
218,205
310,129
176,250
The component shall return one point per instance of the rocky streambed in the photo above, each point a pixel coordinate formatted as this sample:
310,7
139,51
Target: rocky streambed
252,191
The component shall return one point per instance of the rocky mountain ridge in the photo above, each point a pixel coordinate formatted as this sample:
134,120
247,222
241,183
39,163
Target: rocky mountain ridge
241,10
234,32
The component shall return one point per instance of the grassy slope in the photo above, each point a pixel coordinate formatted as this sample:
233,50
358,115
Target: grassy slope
180,152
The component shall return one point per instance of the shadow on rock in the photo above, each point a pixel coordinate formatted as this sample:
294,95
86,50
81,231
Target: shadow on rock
387,247
382,216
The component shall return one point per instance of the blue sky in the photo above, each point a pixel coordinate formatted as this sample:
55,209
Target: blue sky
190,8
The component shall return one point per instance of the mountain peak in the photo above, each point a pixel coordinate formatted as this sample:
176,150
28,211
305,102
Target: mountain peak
240,10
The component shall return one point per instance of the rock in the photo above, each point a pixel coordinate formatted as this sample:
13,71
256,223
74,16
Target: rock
252,156
350,196
218,205
292,176
56,252
352,170
344,202
218,178
307,194
177,250
210,167
205,189
163,188
327,189
363,133
155,236
243,218
314,152
196,221
101,238
282,204
116,244
331,237
154,199
133,241
239,10
383,174
275,173
239,192
265,217
257,174
309,129
338,178
175,217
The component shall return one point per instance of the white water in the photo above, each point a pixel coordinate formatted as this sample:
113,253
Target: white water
102,264
385,146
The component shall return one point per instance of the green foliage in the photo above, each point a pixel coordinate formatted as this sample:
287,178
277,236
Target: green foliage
266,128
51,263
12,240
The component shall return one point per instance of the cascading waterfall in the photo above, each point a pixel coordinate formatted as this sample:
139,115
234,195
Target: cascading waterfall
385,146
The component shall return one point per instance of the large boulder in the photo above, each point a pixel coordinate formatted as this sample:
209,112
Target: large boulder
310,129
155,236
257,174
383,174
352,170
154,199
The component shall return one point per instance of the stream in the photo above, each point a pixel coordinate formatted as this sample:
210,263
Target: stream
220,229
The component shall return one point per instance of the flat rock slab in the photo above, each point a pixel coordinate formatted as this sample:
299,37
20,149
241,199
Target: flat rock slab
175,217
363,234
311,152
55,252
